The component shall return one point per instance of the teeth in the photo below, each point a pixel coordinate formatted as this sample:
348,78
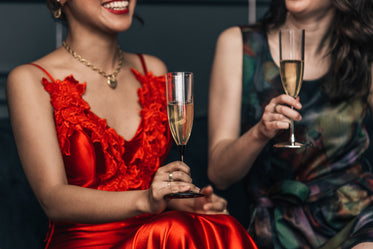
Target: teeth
119,5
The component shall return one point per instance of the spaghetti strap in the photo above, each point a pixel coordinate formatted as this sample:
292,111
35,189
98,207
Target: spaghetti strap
143,63
45,71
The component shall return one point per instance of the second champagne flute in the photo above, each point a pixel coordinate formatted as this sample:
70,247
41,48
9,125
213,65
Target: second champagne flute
291,43
179,95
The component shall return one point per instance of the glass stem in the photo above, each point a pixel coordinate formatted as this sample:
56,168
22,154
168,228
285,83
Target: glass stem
292,136
181,149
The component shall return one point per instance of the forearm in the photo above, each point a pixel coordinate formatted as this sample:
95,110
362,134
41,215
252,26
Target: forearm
231,160
84,205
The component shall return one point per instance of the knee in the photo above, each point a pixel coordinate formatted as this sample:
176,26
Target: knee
178,226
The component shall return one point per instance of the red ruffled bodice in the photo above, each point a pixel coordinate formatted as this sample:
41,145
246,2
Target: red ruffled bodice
95,155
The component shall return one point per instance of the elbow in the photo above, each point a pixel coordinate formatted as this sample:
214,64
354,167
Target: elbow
49,210
52,215
52,206
58,213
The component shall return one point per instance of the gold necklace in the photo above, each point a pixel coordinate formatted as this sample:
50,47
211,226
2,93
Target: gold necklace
111,78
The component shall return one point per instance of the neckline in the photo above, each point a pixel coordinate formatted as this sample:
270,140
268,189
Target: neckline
104,120
107,126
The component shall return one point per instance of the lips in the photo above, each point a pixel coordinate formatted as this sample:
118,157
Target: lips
117,7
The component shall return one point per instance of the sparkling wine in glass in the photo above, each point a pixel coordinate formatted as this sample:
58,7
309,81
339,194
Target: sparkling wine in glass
179,94
291,43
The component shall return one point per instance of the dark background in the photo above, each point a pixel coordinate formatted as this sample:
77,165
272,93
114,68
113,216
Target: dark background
181,32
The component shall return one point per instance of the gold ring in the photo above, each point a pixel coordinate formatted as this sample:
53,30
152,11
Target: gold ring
276,108
170,178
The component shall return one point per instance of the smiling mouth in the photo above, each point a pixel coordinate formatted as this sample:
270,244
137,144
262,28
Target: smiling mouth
116,5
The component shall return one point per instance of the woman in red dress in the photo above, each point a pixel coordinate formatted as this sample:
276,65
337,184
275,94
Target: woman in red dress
91,129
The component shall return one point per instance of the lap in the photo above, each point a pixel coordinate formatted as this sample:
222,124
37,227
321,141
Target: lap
176,229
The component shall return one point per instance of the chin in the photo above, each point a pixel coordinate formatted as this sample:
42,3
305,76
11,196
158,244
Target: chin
119,24
296,6
120,28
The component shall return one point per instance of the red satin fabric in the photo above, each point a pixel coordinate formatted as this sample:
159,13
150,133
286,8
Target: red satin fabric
97,157
168,230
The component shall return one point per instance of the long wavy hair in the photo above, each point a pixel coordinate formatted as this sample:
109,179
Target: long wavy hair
350,46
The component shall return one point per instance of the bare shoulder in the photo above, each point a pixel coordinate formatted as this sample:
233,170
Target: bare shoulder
28,75
24,76
153,63
228,52
25,81
231,33
230,37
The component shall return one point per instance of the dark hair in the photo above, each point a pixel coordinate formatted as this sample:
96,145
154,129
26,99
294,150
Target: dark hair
351,45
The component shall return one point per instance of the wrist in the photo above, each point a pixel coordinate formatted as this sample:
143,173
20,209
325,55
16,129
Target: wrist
142,202
259,135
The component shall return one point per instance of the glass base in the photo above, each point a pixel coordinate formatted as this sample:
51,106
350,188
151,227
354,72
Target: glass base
295,145
184,195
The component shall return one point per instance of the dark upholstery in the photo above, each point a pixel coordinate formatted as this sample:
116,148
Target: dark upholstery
22,222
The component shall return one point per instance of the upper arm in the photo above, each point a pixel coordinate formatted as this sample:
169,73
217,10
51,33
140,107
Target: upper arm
31,116
225,88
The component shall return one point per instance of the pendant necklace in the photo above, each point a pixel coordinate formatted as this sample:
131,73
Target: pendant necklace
111,78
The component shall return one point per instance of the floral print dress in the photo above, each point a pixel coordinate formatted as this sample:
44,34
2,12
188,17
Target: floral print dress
320,195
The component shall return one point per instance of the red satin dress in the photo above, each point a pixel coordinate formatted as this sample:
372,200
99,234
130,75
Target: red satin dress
97,157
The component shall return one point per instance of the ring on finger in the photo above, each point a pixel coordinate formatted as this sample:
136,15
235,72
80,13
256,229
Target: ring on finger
275,109
170,177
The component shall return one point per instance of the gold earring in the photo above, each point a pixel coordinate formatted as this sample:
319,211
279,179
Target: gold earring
58,13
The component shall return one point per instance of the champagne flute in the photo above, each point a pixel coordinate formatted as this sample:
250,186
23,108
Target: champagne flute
291,43
179,94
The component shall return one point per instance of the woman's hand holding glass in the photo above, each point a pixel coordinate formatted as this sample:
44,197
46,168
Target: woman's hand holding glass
278,115
180,100
162,185
291,46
